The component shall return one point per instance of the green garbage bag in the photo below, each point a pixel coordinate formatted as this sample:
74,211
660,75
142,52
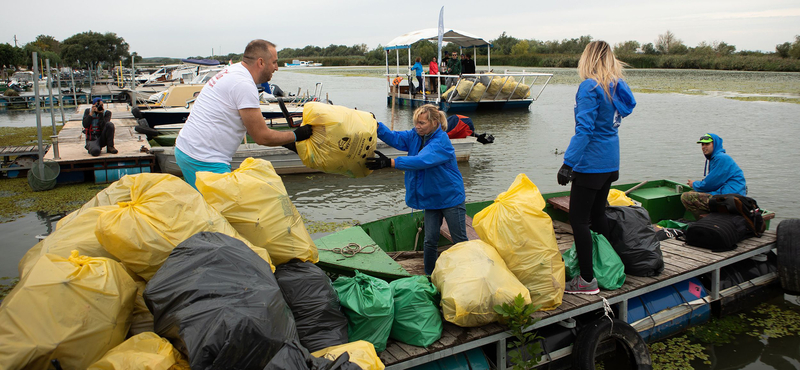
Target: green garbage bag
670,224
608,268
368,303
417,320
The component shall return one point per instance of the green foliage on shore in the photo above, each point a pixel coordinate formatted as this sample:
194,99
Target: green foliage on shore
13,136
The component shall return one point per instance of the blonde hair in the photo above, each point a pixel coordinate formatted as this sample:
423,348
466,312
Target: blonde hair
599,63
433,114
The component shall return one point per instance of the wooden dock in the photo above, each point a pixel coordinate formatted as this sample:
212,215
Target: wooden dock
73,157
681,262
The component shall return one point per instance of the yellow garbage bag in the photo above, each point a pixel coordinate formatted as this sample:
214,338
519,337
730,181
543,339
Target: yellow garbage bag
617,198
145,351
77,235
362,353
118,191
342,140
472,279
163,211
141,318
74,310
477,92
255,202
494,87
523,91
446,95
516,225
463,87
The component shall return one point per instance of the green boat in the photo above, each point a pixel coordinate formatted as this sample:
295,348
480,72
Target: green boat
402,234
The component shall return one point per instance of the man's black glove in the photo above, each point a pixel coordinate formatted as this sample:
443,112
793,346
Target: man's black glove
302,133
377,163
564,175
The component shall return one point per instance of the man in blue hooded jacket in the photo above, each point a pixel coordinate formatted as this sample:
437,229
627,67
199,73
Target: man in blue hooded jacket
722,176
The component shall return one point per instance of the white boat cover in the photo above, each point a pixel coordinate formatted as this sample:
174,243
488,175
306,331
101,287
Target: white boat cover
460,38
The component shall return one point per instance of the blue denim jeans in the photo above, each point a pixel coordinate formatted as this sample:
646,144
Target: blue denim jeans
433,221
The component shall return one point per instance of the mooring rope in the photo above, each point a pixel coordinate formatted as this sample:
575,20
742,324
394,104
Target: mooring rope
352,249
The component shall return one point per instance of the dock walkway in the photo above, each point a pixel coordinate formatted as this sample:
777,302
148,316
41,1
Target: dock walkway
133,147
681,262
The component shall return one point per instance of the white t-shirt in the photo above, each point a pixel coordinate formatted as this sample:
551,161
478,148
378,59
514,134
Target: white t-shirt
215,129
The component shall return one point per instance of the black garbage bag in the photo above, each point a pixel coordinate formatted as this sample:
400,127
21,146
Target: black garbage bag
218,302
294,357
314,303
635,240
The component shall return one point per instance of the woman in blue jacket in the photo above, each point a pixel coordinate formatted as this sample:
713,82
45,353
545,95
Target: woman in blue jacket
591,161
433,181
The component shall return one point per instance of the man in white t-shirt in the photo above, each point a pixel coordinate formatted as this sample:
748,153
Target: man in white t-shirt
225,110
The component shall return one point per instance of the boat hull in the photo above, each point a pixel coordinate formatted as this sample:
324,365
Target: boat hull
287,162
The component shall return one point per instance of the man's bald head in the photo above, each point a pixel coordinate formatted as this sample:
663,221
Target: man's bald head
258,49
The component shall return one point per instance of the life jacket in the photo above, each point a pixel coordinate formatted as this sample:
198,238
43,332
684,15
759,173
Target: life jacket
459,127
93,131
397,81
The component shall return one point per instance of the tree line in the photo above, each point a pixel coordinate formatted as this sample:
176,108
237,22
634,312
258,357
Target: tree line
82,50
91,49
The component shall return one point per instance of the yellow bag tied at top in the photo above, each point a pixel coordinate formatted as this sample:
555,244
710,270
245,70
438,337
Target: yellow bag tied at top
145,351
163,212
118,191
517,226
255,202
342,140
477,92
74,310
362,353
77,235
472,279
617,198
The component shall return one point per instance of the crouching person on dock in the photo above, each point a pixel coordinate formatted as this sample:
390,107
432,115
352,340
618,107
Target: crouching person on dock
722,176
432,179
98,129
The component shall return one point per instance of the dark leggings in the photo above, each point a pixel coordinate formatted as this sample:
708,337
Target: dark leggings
587,211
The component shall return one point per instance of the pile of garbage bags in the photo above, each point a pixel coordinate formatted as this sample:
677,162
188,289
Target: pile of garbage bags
152,274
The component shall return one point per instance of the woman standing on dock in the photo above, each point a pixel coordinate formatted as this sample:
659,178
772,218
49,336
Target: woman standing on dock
591,161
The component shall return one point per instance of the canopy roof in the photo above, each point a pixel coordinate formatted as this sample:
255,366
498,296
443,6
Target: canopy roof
202,62
460,38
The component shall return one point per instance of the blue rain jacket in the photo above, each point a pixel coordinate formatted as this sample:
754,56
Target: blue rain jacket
724,175
595,146
432,178
417,67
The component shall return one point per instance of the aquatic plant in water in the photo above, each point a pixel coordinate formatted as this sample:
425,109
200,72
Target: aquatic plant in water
6,285
677,353
773,322
17,198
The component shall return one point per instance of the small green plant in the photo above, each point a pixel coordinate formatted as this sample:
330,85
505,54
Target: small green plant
517,316
6,285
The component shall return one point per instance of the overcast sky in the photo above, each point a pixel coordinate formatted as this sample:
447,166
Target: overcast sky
190,28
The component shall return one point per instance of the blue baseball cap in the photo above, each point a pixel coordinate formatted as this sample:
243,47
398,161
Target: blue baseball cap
95,100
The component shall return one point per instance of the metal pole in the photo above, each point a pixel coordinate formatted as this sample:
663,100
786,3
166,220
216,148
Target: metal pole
60,96
38,114
50,95
74,90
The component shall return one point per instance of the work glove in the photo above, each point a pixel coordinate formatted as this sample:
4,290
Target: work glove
564,175
302,133
485,138
381,161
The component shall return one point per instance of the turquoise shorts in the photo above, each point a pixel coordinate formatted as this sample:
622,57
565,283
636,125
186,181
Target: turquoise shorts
190,165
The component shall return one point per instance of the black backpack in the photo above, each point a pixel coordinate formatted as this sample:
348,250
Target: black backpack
718,232
736,204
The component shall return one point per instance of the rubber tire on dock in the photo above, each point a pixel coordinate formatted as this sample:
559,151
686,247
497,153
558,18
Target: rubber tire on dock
136,112
789,255
591,335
